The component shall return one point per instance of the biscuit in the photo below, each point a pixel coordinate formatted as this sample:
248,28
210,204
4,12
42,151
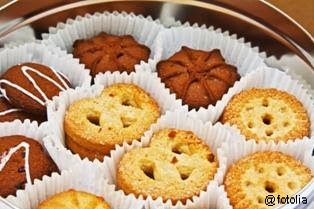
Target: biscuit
199,78
252,178
72,199
9,113
122,113
267,115
22,160
29,86
177,165
106,52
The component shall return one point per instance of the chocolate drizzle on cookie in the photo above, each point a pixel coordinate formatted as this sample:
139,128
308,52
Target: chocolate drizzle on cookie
25,70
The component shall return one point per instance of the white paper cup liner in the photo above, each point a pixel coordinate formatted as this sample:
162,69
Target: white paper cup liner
214,198
213,136
261,78
144,29
50,56
234,50
58,107
300,150
26,128
82,177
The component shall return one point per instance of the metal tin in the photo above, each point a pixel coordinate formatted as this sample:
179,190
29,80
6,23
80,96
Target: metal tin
275,33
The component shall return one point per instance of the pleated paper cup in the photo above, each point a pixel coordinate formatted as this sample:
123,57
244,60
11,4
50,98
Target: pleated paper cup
301,151
213,136
262,78
85,177
145,30
215,197
50,56
236,51
58,107
27,129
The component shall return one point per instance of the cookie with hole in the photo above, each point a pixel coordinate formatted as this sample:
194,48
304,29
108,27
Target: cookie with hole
267,114
257,170
130,104
23,158
121,113
176,166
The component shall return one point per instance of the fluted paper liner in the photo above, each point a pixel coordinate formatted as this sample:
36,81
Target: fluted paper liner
50,56
300,150
27,128
85,177
213,136
214,198
58,107
144,29
262,78
235,51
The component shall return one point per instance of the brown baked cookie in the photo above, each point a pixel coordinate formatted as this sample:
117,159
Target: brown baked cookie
9,113
267,115
106,52
176,166
29,86
199,78
252,178
22,160
72,199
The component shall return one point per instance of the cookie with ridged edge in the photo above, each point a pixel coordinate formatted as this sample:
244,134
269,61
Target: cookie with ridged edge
200,78
267,114
249,180
121,113
13,174
177,165
73,199
106,52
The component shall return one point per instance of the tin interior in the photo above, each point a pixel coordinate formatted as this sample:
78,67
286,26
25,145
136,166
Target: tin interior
274,33
243,19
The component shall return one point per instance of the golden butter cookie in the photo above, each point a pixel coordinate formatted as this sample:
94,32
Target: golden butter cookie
123,112
267,115
72,199
252,178
177,165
